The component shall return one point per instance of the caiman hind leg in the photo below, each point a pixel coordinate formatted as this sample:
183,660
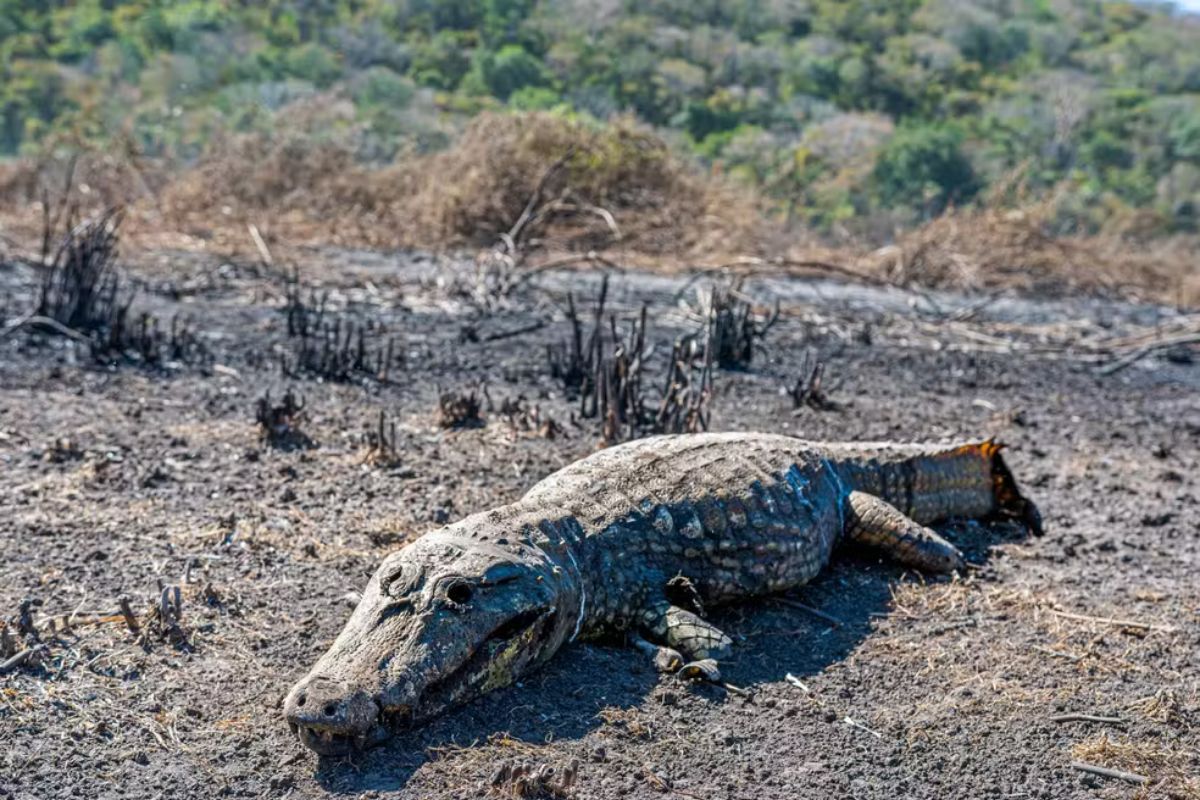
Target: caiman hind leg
876,522
685,633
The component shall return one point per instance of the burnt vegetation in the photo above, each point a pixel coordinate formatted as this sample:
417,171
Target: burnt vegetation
460,408
325,346
279,423
809,390
82,294
381,446
607,374
736,332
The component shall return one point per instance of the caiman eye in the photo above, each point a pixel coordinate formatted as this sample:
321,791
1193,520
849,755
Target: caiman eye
459,593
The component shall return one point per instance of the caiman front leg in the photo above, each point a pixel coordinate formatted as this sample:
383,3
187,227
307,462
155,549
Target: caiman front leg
685,634
876,522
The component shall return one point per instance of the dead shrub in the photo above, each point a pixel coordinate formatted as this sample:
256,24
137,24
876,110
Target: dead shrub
615,175
382,450
736,331
80,285
460,409
995,248
279,424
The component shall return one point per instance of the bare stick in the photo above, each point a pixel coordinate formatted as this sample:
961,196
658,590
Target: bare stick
590,257
1058,653
788,264
530,328
787,601
130,617
35,319
20,658
1087,718
1120,623
1129,777
794,681
1145,350
514,233
260,244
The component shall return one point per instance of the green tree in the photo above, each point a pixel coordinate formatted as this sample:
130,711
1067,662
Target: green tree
502,73
441,61
923,167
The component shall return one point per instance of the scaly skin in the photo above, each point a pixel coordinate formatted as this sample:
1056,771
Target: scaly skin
639,537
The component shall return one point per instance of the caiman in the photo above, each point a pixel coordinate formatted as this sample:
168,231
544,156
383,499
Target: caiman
637,538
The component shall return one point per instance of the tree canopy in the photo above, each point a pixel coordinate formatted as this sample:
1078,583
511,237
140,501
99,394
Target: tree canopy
836,109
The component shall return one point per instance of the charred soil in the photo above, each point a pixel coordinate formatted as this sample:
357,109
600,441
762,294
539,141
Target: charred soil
200,521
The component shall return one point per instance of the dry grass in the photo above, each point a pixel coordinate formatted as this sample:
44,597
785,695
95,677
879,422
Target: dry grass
995,249
619,174
620,190
1171,772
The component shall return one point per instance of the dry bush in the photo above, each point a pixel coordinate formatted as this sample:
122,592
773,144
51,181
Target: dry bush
472,192
993,248
623,168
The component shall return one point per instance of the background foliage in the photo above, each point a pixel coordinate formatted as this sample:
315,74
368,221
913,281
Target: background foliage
850,116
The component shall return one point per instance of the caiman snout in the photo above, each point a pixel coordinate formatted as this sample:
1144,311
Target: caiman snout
329,718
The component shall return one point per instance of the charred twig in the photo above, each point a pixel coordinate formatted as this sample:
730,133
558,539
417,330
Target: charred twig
167,615
572,362
80,284
131,620
816,612
335,350
24,656
381,444
808,391
530,328
619,400
1136,355
36,320
684,406
1087,718
523,419
1128,777
278,425
735,331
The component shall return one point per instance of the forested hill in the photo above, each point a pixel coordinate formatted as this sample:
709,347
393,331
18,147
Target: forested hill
839,110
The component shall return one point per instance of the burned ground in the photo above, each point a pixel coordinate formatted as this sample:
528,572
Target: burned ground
121,479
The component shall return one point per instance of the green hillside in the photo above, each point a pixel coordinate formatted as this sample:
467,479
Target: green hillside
846,114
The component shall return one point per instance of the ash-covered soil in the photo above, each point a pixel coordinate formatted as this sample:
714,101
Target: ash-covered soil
116,480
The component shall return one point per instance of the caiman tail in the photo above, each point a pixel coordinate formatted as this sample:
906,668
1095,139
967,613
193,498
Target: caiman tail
930,482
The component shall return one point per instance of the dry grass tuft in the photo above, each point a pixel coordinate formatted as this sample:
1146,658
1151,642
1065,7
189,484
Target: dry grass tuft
1171,773
994,248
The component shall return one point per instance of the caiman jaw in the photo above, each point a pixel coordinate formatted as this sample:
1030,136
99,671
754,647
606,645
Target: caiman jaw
331,720
490,666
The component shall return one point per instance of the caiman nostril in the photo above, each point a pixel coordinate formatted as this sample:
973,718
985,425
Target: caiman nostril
329,716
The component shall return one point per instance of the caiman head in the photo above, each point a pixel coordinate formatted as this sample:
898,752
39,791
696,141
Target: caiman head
443,620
